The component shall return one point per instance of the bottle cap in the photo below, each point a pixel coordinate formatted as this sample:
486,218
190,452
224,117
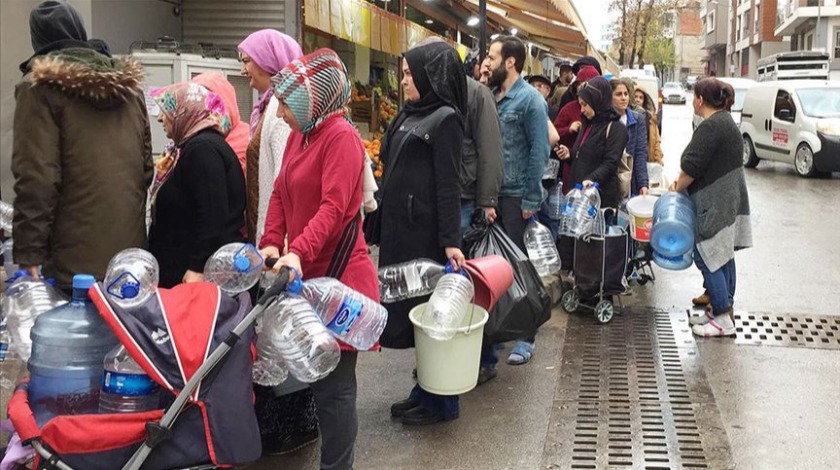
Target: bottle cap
129,290
579,186
295,286
241,263
83,281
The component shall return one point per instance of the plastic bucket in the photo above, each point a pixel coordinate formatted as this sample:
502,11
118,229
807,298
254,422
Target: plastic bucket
640,209
674,220
674,263
449,367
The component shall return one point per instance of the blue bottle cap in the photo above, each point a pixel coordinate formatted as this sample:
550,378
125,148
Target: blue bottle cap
83,281
241,263
129,290
597,185
295,286
579,186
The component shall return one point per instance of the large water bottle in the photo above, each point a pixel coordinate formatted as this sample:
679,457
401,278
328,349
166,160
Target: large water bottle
542,251
235,267
296,333
125,387
269,369
674,220
69,344
350,316
7,215
26,298
554,203
577,217
448,306
132,277
674,263
7,250
408,280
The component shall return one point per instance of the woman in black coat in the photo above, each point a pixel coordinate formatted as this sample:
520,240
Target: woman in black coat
600,142
198,195
421,198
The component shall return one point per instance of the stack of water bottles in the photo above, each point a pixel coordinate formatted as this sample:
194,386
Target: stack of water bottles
542,250
672,231
582,212
452,293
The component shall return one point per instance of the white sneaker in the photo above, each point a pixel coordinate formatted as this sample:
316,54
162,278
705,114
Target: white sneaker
720,325
701,319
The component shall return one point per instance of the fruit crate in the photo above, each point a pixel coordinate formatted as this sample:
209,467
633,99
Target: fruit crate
365,112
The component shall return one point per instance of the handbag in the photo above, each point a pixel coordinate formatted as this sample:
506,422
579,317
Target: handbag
625,170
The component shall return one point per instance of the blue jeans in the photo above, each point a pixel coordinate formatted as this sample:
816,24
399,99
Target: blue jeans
467,209
448,406
720,284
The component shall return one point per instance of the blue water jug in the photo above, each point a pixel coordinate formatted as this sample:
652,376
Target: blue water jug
674,221
674,263
69,344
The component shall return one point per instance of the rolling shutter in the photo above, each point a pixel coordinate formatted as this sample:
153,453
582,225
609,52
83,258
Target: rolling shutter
228,22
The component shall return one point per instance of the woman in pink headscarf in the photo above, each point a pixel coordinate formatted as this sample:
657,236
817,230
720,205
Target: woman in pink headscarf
264,53
287,422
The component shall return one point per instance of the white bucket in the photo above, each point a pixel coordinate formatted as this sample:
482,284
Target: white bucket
640,209
449,367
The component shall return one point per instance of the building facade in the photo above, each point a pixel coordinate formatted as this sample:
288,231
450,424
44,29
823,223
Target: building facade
813,25
752,36
715,25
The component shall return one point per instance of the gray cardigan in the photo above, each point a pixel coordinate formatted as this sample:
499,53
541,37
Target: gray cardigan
719,191
481,162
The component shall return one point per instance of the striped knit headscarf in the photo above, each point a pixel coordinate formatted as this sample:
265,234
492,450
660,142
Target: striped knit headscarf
315,88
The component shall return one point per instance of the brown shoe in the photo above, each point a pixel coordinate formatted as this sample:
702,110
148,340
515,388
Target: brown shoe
702,300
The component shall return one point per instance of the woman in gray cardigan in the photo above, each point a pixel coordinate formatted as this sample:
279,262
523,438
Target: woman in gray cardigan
713,175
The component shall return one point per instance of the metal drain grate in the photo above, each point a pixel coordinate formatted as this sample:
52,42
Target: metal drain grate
807,331
632,394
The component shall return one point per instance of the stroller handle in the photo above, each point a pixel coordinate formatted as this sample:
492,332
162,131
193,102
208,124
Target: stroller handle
278,286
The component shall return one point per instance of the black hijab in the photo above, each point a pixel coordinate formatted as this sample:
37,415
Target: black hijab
439,77
597,93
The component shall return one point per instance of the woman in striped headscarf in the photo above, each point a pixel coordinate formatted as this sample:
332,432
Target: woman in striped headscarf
317,202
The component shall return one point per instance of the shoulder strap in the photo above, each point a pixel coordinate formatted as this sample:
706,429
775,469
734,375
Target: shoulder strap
609,126
341,256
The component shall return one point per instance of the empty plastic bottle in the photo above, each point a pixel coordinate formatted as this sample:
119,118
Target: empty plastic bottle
674,221
69,344
269,369
7,215
132,277
4,340
577,217
296,333
542,250
7,250
554,203
26,298
593,195
125,387
448,305
349,315
408,280
674,263
235,267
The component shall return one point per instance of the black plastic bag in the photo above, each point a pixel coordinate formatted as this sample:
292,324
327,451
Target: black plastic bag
526,305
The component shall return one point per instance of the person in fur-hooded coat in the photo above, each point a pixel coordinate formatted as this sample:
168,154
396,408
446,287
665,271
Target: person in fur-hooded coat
81,153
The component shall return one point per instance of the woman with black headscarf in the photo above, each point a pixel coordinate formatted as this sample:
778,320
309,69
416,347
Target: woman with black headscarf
421,197
600,142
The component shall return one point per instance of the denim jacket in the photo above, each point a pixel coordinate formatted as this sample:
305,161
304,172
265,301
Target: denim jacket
637,140
523,115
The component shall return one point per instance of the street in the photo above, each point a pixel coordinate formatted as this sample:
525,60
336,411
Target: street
641,392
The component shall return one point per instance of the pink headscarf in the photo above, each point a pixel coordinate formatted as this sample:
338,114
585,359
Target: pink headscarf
271,50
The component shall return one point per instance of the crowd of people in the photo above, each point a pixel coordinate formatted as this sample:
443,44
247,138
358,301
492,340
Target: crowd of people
472,138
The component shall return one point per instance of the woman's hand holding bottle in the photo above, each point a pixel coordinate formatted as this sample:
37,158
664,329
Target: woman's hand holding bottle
455,257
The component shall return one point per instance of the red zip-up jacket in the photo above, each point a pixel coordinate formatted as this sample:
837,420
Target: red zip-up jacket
316,195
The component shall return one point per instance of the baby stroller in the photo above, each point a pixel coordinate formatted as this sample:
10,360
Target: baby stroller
195,342
600,262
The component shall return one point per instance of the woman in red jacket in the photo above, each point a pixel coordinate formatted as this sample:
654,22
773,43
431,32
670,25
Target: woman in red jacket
316,202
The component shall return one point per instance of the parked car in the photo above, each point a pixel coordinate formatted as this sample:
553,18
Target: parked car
793,121
690,81
740,85
651,86
673,92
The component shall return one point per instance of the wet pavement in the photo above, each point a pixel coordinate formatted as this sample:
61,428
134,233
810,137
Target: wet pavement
754,404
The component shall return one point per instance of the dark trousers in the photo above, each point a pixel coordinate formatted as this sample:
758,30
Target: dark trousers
509,215
335,397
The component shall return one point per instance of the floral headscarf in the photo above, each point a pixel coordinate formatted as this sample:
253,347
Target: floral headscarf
191,108
315,88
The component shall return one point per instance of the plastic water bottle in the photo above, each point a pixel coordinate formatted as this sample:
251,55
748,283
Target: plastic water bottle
448,306
542,251
69,344
408,280
27,298
593,195
132,277
299,337
575,220
125,387
674,221
7,215
269,369
7,250
350,316
4,341
555,201
235,267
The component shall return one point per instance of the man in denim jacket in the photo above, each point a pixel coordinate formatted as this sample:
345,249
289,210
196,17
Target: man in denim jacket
523,114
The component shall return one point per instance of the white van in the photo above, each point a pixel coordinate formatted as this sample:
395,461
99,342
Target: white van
793,121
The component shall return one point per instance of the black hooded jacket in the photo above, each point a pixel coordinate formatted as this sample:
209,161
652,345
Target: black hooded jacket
600,143
421,197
